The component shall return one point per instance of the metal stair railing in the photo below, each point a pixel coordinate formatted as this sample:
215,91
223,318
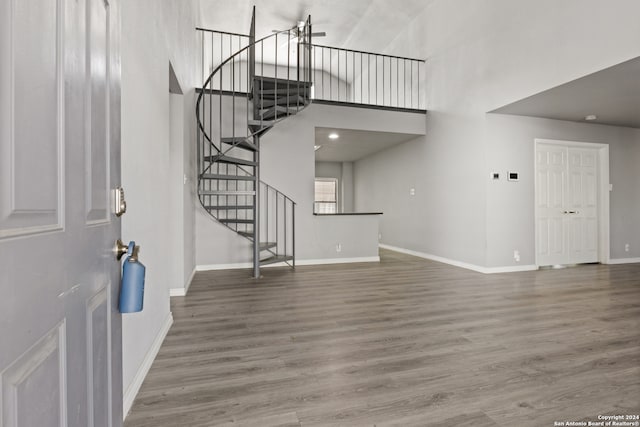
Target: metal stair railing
277,234
258,86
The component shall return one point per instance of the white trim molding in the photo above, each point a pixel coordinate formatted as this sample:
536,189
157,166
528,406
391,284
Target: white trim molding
624,260
235,266
337,260
133,389
244,265
181,292
461,264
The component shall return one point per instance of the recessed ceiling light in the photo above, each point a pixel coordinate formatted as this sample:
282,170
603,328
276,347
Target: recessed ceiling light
317,147
334,135
591,117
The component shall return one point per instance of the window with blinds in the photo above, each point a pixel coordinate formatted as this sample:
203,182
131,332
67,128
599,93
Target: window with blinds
326,196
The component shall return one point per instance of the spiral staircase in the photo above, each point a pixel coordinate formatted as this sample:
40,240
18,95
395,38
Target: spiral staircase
249,93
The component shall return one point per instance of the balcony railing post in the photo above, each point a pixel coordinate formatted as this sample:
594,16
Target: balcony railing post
369,78
361,78
309,47
338,76
252,50
288,69
404,83
331,73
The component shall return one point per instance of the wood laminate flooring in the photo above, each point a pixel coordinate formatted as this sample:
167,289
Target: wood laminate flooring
406,342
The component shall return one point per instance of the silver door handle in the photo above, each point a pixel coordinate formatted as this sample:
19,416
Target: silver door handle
121,249
131,249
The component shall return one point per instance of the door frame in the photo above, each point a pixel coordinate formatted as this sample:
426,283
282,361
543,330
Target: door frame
604,188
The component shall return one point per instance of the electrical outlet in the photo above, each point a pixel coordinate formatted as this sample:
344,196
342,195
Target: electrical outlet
338,247
627,247
516,255
412,191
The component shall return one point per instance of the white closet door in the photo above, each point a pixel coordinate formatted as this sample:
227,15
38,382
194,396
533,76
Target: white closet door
566,205
582,205
551,183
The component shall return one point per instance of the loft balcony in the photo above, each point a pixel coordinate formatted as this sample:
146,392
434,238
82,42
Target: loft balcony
338,76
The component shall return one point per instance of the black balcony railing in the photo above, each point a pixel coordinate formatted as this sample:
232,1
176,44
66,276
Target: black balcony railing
339,75
365,78
216,47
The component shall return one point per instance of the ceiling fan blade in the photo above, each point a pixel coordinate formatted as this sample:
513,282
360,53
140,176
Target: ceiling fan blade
319,34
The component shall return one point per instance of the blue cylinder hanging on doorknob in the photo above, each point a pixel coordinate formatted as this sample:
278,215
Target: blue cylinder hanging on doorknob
132,290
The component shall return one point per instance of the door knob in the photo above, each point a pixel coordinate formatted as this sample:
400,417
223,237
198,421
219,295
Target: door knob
122,249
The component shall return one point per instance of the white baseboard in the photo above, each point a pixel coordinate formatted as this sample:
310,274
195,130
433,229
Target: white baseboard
181,292
212,267
624,260
337,260
509,269
244,265
133,389
177,292
468,266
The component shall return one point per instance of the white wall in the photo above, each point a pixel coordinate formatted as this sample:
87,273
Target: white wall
482,55
189,191
510,205
329,170
154,33
175,189
182,191
347,187
288,160
625,197
345,238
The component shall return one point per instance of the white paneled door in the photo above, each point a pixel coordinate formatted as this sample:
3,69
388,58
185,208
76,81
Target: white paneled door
567,183
60,332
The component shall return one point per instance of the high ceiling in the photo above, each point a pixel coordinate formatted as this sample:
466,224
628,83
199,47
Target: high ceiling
612,95
353,145
368,25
